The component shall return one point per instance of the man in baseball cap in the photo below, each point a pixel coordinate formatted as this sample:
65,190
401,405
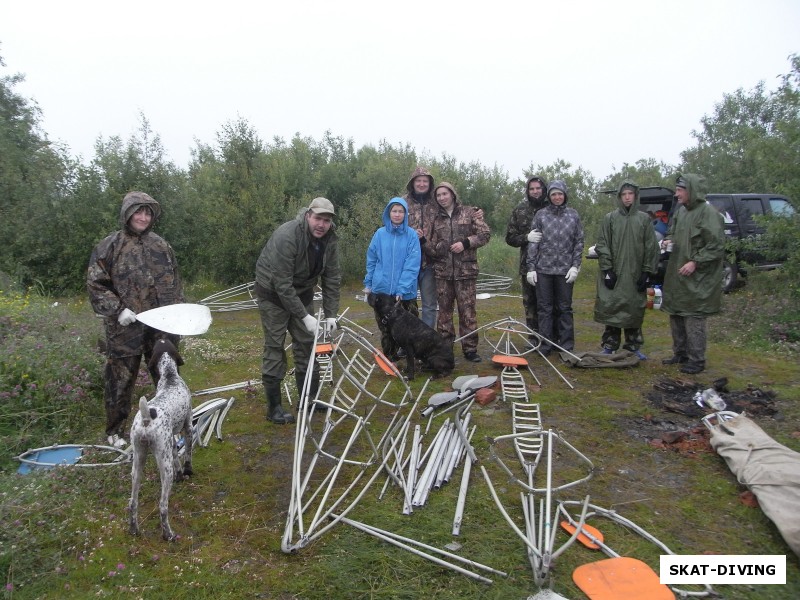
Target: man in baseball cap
299,253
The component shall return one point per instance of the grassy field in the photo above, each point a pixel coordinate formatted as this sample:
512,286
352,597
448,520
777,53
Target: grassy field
64,532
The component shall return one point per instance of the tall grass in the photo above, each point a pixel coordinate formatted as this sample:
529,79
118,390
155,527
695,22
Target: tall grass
50,373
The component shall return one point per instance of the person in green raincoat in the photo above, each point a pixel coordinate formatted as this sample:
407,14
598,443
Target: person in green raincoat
693,281
627,252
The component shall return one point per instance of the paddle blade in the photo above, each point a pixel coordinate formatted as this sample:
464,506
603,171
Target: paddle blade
588,535
178,319
480,382
621,578
385,364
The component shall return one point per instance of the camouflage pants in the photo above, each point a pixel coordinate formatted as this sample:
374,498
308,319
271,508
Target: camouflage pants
462,293
634,339
388,345
529,304
120,375
689,335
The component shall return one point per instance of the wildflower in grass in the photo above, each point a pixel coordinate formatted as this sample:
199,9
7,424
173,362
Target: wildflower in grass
120,567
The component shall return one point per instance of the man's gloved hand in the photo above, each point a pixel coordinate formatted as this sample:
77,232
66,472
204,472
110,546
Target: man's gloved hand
531,277
535,236
330,325
609,279
126,317
641,283
310,323
571,275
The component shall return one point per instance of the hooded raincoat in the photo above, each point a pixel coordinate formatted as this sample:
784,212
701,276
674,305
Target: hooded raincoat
626,244
132,270
393,257
698,234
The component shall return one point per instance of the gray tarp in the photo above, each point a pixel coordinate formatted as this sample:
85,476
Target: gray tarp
770,470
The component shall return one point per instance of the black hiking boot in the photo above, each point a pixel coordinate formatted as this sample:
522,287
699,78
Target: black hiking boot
675,360
275,412
692,368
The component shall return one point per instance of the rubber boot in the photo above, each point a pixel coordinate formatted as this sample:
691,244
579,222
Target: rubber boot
275,412
312,393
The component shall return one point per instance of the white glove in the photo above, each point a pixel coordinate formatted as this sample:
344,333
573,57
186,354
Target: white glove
330,325
571,275
310,323
531,277
535,236
126,317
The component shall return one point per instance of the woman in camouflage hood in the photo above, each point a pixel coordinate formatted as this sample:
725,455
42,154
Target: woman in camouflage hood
130,271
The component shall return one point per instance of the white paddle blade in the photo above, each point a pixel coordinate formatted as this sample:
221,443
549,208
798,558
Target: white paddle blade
178,319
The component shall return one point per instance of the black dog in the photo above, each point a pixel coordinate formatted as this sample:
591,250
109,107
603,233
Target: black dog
417,339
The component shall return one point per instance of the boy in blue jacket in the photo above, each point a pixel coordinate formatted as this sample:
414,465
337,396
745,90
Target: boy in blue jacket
393,260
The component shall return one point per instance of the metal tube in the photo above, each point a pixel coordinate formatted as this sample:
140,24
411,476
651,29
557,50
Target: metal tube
462,497
425,481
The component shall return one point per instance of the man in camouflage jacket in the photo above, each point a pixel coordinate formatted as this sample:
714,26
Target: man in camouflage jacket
130,271
519,234
458,232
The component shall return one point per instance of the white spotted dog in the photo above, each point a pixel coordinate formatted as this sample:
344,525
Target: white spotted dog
154,428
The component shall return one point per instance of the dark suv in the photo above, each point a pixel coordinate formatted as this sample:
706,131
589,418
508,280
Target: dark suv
737,211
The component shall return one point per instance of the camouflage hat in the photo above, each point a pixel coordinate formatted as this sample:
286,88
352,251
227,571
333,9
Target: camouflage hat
681,182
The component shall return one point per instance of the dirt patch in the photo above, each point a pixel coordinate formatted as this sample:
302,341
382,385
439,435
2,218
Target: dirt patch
675,422
678,396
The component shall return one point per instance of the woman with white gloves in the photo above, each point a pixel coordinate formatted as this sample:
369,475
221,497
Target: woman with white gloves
554,262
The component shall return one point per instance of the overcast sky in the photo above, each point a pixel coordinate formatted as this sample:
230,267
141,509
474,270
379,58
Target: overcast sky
506,83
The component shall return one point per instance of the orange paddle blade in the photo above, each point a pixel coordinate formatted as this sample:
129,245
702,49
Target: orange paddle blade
620,578
509,361
384,363
587,540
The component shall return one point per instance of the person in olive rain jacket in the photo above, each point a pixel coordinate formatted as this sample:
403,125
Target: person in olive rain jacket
693,281
627,253
298,254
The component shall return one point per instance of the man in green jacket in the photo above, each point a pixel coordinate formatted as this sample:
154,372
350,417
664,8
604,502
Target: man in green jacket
298,254
627,252
693,281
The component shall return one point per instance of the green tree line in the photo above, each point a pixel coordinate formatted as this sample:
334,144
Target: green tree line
221,209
